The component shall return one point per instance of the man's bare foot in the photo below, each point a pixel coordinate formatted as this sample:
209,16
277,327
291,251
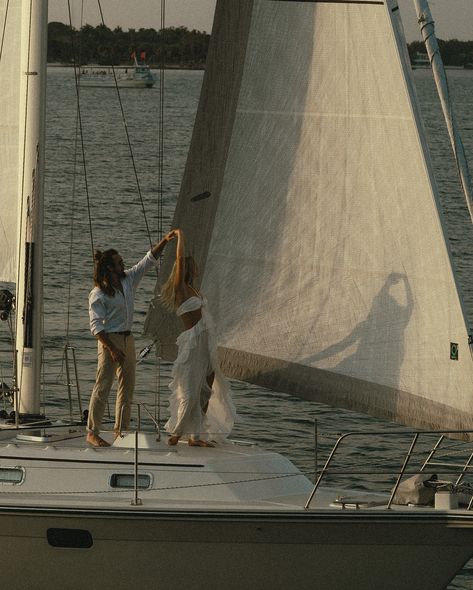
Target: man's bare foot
199,443
96,441
173,440
116,434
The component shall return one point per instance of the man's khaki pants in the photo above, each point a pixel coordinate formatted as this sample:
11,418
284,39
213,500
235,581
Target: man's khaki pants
106,370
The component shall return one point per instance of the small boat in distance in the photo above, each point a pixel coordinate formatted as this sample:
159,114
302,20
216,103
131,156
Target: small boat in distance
420,60
137,76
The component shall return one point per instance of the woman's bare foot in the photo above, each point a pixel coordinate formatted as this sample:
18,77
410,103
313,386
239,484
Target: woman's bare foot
96,441
173,440
200,443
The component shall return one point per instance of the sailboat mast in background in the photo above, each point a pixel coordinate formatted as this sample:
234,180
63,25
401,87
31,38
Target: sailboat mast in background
427,27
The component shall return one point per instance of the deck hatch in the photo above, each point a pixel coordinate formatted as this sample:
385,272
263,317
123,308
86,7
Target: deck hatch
127,481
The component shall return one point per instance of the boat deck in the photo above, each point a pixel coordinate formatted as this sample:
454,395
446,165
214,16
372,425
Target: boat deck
58,468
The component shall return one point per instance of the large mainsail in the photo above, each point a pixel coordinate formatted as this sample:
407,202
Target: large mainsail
10,43
22,140
322,249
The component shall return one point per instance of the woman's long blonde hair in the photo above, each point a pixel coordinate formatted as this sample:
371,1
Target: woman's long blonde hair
168,290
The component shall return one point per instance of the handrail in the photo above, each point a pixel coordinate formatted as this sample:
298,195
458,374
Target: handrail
465,467
325,469
76,374
154,420
432,452
139,405
136,500
403,468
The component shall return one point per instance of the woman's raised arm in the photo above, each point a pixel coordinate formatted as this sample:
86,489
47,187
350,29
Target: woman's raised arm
179,277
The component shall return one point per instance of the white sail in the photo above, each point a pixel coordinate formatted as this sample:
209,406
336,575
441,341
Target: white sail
10,12
22,114
322,249
31,187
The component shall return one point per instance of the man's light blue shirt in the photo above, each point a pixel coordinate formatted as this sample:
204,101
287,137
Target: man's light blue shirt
115,314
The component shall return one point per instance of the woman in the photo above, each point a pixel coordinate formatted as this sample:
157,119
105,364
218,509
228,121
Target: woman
200,402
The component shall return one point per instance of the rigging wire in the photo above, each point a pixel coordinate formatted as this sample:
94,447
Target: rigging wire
4,28
161,122
78,133
81,130
28,278
10,321
73,194
130,149
157,406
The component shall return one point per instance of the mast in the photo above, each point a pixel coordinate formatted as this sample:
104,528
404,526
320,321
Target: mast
426,23
30,189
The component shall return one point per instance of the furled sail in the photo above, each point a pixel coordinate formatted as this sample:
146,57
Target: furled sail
10,43
322,248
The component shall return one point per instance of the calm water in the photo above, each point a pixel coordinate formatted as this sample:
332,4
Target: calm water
276,420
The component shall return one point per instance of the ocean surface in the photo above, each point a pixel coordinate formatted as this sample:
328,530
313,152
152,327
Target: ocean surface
278,421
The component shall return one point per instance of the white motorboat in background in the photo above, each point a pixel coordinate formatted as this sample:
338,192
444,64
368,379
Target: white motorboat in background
136,76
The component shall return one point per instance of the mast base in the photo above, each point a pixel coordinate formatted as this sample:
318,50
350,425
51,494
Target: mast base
36,419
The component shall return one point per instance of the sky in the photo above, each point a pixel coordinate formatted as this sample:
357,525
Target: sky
454,18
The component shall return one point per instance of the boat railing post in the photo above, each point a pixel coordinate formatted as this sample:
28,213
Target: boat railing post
432,453
68,379
157,401
16,390
76,375
155,422
136,500
325,469
316,449
403,468
465,469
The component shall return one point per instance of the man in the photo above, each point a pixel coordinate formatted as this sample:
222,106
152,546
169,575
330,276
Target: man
111,304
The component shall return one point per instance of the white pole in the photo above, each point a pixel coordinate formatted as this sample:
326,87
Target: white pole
427,28
31,181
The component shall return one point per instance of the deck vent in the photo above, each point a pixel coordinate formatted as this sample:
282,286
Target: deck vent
69,538
127,481
12,475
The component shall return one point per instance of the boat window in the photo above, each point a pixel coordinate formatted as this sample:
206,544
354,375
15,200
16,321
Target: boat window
127,481
12,475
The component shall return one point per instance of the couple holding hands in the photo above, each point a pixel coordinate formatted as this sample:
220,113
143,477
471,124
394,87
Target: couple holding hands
201,408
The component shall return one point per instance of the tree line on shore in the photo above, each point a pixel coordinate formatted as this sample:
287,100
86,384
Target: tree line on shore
175,46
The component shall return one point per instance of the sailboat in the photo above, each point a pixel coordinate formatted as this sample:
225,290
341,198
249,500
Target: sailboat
309,148
138,75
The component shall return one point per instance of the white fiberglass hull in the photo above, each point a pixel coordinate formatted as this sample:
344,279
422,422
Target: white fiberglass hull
228,518
331,550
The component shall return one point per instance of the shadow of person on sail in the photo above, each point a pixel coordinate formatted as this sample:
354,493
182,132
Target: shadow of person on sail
379,339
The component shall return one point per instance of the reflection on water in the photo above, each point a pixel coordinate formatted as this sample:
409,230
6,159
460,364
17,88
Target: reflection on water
278,421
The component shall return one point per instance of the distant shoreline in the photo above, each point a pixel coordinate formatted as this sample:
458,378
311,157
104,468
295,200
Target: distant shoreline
152,66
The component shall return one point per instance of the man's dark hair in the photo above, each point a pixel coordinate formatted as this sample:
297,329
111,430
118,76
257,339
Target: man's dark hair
101,271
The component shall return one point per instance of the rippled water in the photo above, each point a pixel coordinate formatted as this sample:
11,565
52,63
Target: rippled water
276,420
